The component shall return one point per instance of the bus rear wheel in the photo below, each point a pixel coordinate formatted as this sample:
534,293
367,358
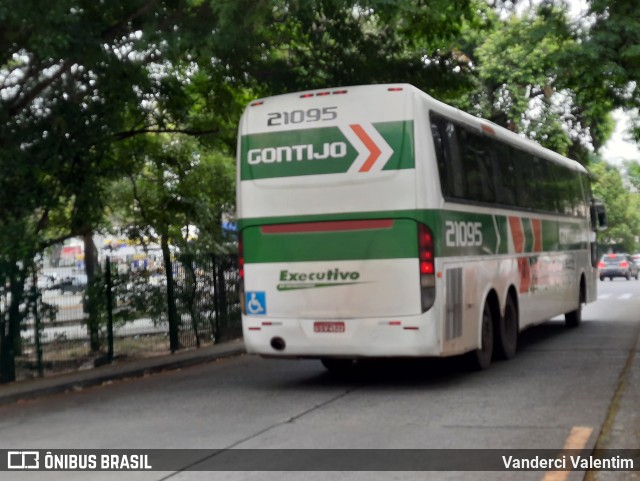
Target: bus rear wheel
481,358
507,332
574,318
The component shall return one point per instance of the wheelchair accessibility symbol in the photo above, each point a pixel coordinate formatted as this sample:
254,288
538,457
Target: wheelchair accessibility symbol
256,303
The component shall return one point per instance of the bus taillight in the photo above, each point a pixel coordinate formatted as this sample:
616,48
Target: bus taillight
427,267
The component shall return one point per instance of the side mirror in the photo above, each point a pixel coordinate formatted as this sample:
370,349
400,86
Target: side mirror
598,215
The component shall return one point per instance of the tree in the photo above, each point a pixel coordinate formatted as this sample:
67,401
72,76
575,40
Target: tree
284,46
76,79
623,207
633,174
612,51
174,191
528,78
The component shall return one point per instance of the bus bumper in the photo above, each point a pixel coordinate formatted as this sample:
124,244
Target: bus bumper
412,336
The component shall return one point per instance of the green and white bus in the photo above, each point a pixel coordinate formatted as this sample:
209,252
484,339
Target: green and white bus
376,221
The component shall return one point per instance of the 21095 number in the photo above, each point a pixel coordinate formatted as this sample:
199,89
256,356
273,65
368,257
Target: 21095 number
463,234
302,116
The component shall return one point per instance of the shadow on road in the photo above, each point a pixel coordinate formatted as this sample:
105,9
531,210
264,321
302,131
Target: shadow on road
435,371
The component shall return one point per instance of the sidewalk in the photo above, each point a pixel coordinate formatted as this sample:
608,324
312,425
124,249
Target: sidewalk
621,429
38,387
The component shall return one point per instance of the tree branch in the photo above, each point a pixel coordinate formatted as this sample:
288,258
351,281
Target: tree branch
39,88
118,27
133,133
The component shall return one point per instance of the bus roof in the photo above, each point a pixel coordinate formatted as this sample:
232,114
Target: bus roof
486,126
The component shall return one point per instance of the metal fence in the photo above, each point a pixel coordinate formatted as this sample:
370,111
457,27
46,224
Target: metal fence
125,313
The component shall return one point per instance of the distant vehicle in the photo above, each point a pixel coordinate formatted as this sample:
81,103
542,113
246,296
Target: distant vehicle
46,281
617,265
74,284
636,259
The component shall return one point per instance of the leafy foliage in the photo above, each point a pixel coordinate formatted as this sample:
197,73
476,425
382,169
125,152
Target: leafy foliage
623,207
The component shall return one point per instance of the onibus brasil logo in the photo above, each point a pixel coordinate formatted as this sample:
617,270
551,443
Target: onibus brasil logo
290,281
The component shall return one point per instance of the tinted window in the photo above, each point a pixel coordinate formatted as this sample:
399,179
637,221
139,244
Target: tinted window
475,167
506,177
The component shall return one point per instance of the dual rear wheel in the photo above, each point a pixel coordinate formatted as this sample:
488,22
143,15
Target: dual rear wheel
499,339
499,336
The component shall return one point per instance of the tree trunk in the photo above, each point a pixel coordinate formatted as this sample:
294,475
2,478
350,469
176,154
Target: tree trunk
92,305
191,285
171,298
10,325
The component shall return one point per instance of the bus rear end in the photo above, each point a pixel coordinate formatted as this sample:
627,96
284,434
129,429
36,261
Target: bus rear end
334,261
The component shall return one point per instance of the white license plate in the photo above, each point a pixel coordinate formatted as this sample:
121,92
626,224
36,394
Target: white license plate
328,326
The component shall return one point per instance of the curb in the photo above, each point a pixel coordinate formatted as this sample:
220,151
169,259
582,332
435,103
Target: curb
35,388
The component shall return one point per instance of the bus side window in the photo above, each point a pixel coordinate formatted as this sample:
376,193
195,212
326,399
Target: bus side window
504,179
565,191
546,188
453,149
525,189
478,167
439,147
445,137
583,206
579,203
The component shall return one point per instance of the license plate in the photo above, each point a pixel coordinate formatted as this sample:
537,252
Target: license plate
328,326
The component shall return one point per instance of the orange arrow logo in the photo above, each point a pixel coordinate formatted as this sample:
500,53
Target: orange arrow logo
374,151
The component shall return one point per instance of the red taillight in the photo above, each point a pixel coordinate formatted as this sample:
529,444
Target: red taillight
624,264
427,267
425,246
601,265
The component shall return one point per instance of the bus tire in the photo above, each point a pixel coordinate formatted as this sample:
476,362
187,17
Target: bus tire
337,366
480,359
574,318
507,332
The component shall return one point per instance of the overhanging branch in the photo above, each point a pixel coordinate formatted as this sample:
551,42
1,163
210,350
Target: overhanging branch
133,133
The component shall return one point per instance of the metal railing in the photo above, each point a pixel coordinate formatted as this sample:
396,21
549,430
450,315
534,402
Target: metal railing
126,313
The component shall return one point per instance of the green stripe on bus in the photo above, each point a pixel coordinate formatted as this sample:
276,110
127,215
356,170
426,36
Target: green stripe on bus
455,234
399,136
399,241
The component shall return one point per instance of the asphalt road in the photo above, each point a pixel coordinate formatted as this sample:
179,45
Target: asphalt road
560,381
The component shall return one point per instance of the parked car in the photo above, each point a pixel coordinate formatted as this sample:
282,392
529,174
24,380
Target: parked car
74,284
617,265
47,281
636,259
